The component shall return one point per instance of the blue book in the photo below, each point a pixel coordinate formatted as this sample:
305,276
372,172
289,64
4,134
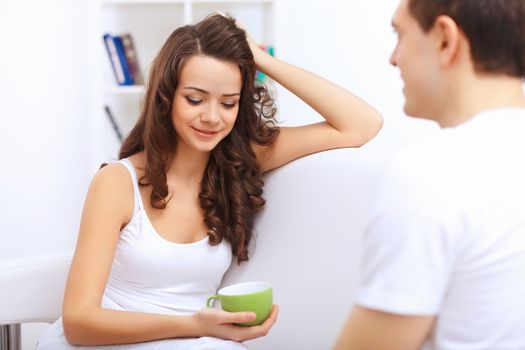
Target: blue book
118,60
128,78
114,59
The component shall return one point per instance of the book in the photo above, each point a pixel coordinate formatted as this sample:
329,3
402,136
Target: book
117,57
114,59
113,122
132,58
128,80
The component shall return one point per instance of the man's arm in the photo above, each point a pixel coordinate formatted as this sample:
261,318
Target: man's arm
368,329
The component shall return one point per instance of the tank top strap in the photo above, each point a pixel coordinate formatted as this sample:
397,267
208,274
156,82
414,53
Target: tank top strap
138,205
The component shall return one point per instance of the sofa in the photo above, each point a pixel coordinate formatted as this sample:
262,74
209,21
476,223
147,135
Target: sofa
306,243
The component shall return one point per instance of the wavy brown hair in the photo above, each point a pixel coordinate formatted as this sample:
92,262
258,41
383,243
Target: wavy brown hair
231,187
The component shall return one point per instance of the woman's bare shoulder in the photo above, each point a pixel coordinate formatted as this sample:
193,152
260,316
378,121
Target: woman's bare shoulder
113,184
138,160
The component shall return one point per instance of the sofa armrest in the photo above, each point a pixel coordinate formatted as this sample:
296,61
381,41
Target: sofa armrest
32,288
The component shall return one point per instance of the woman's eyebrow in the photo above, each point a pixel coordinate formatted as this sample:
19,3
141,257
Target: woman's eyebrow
207,93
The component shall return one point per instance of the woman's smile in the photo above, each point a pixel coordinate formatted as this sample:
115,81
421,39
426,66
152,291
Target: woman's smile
205,133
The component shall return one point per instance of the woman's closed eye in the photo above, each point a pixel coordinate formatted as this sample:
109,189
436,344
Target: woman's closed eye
229,105
197,101
193,101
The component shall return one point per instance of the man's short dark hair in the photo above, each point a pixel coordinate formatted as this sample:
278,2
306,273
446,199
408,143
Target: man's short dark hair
495,30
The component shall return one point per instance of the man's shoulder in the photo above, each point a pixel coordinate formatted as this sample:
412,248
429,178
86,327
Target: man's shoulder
423,158
423,177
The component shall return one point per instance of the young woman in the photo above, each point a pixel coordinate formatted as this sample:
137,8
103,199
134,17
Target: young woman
160,226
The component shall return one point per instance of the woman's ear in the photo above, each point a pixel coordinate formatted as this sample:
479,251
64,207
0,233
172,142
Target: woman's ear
448,36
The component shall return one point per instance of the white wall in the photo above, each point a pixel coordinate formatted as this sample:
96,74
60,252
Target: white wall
44,140
44,129
348,42
45,111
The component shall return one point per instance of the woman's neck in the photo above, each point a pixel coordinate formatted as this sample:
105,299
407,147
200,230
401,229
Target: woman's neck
187,166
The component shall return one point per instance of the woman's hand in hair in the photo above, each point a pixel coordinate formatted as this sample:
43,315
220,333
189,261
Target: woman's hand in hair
220,324
256,49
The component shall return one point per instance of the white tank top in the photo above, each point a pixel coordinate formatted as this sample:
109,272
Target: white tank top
152,274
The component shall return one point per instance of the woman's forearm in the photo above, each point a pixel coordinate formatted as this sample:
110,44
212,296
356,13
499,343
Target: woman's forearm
99,326
342,110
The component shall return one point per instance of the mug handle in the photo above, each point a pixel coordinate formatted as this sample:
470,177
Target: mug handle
209,302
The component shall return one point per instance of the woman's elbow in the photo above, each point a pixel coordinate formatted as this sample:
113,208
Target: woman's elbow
366,132
376,123
73,324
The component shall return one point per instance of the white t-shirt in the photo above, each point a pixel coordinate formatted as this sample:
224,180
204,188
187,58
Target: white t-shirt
447,235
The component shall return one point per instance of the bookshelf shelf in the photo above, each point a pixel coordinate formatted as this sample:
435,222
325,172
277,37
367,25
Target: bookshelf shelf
155,2
140,2
124,90
235,2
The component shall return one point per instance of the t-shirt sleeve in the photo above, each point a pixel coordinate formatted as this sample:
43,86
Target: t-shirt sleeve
407,247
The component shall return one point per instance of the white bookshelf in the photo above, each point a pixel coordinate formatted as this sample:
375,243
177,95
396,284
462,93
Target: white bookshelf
149,23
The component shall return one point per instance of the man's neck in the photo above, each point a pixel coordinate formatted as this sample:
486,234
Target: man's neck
480,92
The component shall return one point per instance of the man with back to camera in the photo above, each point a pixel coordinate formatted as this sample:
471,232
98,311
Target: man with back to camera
444,250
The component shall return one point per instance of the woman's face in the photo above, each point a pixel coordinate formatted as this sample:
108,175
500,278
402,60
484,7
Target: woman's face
206,102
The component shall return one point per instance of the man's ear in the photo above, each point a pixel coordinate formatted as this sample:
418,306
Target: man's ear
448,37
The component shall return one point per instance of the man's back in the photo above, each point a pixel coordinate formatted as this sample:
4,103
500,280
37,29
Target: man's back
444,260
485,303
454,207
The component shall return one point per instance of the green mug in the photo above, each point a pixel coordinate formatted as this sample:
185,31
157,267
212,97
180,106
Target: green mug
248,296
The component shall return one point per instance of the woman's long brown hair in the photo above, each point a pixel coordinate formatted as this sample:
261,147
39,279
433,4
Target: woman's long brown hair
231,188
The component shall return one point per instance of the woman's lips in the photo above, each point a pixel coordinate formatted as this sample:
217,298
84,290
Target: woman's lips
205,133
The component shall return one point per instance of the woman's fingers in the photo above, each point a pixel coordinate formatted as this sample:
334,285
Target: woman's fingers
237,317
222,323
247,333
